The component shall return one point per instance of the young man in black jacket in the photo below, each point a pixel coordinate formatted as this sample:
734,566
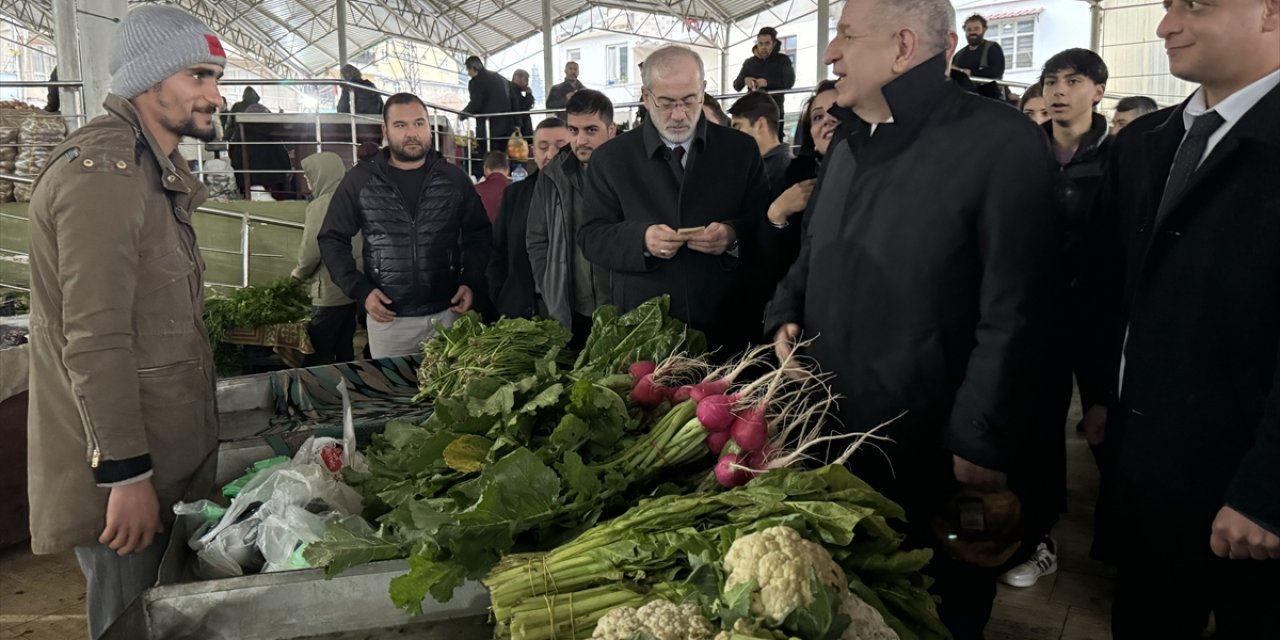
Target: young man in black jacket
756,115
934,314
426,235
1072,83
768,69
490,93
510,270
572,287
367,102
981,58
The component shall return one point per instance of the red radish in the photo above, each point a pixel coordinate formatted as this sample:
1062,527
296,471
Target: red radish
681,394
729,473
710,388
758,461
715,414
716,441
749,429
642,369
648,393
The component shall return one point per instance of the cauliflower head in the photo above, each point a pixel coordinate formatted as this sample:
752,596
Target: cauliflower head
661,619
779,560
866,623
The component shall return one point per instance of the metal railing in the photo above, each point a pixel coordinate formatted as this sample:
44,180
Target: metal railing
246,219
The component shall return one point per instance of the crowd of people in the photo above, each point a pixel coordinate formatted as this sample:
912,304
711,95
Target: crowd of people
956,264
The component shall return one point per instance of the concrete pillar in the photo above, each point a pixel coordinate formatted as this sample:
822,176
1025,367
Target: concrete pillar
68,45
84,31
549,73
725,83
824,27
1095,31
340,14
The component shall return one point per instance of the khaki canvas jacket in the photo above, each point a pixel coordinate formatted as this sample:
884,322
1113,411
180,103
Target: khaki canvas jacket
122,380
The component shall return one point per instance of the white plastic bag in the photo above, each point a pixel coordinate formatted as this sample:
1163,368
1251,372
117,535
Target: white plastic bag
279,508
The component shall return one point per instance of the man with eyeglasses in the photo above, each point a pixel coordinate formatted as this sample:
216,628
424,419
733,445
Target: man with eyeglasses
670,206
768,69
122,403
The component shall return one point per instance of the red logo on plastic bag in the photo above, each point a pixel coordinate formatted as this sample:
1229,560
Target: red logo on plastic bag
215,47
332,458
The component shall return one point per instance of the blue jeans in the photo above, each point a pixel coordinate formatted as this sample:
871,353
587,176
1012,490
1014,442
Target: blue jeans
112,582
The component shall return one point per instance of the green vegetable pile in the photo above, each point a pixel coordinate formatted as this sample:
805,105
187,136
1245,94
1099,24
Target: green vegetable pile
671,548
518,452
469,349
284,301
647,332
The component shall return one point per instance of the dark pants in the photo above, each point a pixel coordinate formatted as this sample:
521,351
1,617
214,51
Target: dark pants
332,332
967,592
1170,597
923,485
581,331
112,581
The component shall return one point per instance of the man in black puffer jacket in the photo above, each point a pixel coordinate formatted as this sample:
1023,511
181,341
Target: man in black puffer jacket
426,235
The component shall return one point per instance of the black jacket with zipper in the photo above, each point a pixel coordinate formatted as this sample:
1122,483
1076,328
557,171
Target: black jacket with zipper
776,69
1076,192
418,259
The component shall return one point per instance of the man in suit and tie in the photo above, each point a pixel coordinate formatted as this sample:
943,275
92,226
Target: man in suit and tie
1192,432
671,207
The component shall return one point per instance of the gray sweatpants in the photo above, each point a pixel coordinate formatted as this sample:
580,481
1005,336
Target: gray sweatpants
404,335
112,581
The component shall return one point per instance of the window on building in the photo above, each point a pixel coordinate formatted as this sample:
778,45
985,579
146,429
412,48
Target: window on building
573,55
618,62
1017,38
789,48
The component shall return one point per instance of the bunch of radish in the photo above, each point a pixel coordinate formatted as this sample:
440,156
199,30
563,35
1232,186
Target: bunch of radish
749,426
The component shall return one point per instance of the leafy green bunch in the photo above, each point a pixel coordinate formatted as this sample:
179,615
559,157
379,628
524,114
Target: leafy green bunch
671,547
284,301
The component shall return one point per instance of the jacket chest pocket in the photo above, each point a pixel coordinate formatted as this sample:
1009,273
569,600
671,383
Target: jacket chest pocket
163,303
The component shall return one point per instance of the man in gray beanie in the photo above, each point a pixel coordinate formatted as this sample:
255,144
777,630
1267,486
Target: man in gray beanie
122,407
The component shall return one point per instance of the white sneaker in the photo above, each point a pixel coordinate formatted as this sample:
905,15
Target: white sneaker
1043,562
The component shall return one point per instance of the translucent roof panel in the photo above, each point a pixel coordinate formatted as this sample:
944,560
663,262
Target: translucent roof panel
299,38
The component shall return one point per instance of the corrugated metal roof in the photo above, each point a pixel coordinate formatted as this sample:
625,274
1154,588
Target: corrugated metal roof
299,37
1005,15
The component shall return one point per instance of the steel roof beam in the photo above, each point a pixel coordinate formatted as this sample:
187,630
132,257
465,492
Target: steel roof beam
256,44
30,15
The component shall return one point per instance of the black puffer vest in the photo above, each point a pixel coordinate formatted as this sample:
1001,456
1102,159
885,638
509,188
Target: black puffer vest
414,259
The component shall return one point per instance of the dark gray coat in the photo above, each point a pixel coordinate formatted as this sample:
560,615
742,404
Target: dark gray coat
550,242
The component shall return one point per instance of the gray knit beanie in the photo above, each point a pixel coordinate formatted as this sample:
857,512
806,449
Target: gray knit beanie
154,42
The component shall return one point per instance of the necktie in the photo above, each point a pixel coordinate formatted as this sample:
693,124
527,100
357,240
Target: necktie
1187,158
677,161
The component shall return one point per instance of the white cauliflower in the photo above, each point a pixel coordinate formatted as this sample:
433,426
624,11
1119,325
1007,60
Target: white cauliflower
661,619
866,621
779,560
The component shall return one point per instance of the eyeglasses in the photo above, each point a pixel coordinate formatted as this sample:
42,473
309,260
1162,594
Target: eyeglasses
688,105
